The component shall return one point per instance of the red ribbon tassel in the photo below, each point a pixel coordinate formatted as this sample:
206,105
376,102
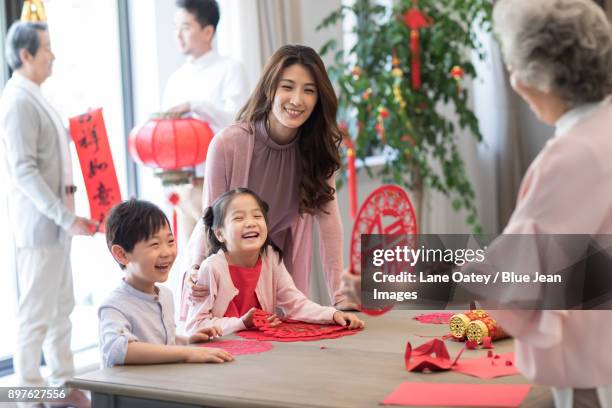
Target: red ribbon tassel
352,182
416,59
415,20
174,199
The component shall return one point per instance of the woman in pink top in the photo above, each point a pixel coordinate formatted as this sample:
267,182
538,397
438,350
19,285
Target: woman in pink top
244,271
284,147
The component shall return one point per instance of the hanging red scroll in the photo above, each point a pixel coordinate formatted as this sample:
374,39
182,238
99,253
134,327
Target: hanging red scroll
89,135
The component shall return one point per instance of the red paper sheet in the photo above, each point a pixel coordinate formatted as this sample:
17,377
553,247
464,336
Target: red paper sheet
240,347
89,135
488,367
458,395
434,318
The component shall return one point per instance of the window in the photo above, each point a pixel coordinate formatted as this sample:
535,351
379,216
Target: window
86,74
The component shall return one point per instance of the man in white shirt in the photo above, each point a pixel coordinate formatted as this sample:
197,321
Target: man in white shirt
41,210
208,86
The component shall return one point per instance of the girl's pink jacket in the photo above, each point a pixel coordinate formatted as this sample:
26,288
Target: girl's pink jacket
275,291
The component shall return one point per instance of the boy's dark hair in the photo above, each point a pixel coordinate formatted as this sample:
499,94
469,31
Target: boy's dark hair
133,221
205,11
215,215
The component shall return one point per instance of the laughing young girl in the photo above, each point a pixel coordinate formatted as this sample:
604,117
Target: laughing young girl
244,271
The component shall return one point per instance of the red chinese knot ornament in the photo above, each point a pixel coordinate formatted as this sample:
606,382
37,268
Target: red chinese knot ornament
415,20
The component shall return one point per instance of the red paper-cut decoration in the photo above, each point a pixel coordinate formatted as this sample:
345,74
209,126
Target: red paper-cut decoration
255,334
291,330
170,144
91,141
386,201
240,347
434,318
415,20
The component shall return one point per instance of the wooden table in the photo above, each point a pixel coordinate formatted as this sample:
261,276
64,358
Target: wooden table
352,371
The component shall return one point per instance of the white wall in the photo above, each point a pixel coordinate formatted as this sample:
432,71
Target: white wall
313,12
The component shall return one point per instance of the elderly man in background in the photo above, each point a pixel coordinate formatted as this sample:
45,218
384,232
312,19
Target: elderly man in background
41,208
210,87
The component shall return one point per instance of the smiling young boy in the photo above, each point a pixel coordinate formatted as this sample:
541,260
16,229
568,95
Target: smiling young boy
136,321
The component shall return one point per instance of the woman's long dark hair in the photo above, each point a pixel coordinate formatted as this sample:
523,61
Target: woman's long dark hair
319,138
214,216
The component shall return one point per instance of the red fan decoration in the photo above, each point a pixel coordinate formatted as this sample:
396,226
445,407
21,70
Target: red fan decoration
240,347
291,330
415,20
387,210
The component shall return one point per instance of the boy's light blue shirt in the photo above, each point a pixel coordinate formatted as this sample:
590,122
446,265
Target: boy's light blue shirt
131,315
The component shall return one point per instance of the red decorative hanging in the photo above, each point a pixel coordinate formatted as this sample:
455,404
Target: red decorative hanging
351,168
170,144
91,141
415,20
173,199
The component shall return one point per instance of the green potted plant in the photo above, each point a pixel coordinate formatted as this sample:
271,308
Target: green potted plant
407,63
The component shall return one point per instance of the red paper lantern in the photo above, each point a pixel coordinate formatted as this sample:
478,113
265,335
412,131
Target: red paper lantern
170,144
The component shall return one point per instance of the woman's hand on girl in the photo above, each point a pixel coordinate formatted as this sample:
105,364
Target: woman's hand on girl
205,334
197,292
348,320
351,287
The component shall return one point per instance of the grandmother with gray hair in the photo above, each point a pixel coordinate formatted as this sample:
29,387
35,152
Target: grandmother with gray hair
41,209
559,54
